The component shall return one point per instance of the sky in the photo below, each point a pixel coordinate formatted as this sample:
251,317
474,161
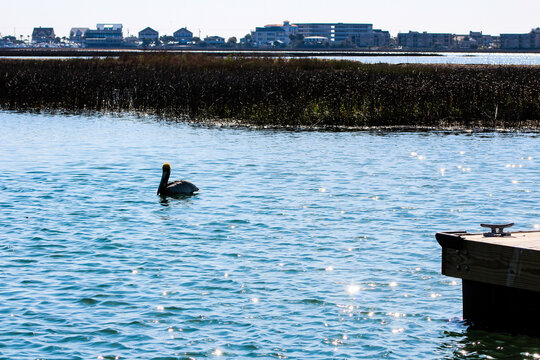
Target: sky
239,17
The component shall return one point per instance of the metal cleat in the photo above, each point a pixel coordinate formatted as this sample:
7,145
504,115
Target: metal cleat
497,229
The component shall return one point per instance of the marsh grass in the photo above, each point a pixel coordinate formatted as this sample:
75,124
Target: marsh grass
276,92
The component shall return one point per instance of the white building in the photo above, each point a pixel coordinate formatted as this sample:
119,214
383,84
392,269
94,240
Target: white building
270,34
360,34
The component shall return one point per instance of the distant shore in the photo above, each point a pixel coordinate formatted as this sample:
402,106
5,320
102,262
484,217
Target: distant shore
280,93
89,52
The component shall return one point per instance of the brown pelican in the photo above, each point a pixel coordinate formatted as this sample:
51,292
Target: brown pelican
177,187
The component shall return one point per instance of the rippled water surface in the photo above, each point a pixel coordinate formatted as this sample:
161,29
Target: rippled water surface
299,245
477,58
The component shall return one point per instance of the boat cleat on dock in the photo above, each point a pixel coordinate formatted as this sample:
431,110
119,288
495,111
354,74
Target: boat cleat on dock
497,229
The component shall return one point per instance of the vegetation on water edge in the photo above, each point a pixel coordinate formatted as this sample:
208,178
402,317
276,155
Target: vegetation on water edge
280,92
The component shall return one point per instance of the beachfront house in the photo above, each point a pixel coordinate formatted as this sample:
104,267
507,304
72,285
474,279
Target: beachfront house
183,36
43,35
148,35
214,40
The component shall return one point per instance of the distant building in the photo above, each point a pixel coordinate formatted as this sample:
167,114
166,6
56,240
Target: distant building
317,29
43,35
375,38
183,36
474,40
77,34
313,33
425,40
214,40
483,41
105,35
362,35
269,34
521,41
148,35
344,32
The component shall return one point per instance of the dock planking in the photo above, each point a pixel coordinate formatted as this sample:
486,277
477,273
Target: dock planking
501,278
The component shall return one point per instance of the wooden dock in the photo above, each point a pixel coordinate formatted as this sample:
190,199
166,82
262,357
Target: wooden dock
501,277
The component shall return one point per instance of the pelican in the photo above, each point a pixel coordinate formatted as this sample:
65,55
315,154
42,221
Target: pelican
177,187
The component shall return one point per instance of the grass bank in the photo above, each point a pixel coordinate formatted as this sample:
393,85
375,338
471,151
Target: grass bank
280,92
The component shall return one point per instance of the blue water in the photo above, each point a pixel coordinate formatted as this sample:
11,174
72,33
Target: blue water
300,245
389,58
449,58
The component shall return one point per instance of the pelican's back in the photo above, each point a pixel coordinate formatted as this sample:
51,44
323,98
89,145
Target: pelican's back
181,187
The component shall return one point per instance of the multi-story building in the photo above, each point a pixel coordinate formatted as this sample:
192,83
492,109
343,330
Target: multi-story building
317,29
345,32
148,35
362,35
105,35
269,34
77,34
183,36
43,35
425,40
375,38
521,41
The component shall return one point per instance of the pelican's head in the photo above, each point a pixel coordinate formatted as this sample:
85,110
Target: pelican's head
166,167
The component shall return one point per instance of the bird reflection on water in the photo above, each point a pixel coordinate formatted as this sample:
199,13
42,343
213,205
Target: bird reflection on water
166,200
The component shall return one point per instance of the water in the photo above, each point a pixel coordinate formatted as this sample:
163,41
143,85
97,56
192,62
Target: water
449,58
300,245
389,58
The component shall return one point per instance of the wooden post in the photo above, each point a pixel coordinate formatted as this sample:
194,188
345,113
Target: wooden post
501,278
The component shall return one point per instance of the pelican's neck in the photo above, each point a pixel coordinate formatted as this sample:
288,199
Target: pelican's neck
164,181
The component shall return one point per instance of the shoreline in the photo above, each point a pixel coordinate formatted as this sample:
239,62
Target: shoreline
235,125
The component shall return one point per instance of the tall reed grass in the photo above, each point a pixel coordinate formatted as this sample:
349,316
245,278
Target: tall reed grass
280,92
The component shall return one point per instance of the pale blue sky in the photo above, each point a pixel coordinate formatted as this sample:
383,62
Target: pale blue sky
238,17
